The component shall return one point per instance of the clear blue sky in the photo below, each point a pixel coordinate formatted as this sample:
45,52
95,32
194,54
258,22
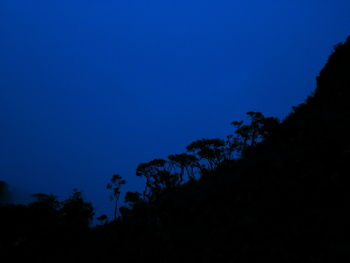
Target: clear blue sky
91,88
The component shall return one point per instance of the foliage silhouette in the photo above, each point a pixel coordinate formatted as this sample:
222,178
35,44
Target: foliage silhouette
210,150
159,178
186,163
115,185
76,211
4,193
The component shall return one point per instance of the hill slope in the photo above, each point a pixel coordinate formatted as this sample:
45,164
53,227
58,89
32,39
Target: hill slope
285,200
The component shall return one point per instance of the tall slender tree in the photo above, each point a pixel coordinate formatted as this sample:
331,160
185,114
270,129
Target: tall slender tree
115,185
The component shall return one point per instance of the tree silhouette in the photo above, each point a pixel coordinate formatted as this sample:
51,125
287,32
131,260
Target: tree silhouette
210,150
159,178
186,163
259,129
76,211
4,194
47,203
115,185
132,198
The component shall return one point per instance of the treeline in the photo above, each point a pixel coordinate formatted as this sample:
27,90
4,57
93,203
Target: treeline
46,226
202,158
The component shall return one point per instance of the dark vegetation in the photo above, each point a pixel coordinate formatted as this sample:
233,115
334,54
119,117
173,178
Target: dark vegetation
272,191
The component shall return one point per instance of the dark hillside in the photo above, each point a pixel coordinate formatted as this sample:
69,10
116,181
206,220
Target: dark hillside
285,200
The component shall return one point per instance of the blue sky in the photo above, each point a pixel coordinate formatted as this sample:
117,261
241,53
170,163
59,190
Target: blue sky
92,88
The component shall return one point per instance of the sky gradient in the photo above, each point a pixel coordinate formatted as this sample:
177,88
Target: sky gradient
92,88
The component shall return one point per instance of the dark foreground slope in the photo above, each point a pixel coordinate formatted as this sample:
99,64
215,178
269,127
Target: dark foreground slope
285,200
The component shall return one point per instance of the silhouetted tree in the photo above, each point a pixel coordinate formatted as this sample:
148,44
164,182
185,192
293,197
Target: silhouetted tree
186,163
132,198
4,194
115,185
270,126
258,129
232,147
45,206
76,211
210,150
159,178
